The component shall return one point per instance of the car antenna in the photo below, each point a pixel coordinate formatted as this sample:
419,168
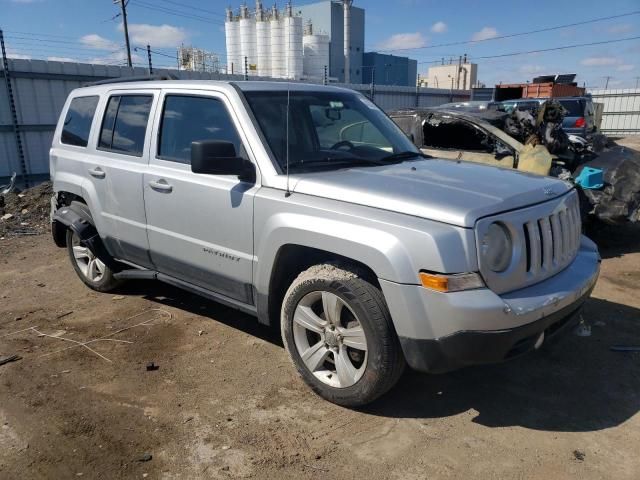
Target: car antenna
288,192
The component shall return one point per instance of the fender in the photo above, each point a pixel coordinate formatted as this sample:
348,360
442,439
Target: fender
77,218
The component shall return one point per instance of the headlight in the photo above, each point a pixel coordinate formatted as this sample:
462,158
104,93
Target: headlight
497,248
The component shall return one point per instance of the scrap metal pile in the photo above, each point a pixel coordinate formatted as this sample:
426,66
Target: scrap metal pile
615,198
607,174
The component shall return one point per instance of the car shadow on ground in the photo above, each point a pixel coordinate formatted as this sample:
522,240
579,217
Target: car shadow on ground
171,296
615,240
574,384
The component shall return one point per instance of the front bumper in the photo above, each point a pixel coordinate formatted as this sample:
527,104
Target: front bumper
445,331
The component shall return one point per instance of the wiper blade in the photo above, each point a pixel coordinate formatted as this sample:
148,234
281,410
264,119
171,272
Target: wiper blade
400,156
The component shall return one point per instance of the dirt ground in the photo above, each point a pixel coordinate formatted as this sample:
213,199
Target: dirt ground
226,403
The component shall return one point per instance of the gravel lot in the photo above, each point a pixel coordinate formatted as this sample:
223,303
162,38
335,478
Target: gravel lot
226,403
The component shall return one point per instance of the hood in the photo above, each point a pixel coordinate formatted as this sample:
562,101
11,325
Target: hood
458,193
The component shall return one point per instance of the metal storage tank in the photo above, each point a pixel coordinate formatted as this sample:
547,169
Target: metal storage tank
232,38
316,55
263,42
247,39
293,44
278,63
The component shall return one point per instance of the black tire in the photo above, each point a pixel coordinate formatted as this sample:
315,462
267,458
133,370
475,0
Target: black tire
384,358
107,282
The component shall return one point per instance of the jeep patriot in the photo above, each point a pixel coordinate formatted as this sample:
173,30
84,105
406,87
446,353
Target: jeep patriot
307,207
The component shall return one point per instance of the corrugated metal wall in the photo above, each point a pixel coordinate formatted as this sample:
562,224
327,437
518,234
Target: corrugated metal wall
621,114
41,87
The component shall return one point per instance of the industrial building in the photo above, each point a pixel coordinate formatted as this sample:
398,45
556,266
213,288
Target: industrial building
458,74
273,43
197,60
309,43
331,17
383,69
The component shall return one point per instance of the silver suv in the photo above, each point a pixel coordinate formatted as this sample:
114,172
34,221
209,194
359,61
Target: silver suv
307,207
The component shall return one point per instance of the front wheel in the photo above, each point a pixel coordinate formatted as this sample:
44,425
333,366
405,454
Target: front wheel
338,331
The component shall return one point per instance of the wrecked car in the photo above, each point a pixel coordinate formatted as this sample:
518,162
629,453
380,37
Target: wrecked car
459,135
334,228
532,138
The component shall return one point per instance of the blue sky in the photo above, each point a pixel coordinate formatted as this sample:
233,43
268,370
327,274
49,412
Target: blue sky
90,30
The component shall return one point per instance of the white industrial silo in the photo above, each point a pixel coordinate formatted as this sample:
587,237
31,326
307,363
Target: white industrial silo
293,43
247,40
316,54
278,63
232,37
263,42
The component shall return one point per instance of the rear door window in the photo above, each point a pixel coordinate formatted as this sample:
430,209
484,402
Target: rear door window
187,119
77,122
125,124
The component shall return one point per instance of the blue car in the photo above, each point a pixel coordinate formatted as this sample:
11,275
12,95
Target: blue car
580,118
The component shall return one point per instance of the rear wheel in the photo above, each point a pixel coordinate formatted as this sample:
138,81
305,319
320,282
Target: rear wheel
338,331
91,270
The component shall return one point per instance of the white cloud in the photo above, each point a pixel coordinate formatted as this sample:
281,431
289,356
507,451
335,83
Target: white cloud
116,58
625,68
599,61
16,55
403,40
62,59
97,42
531,69
439,27
485,34
620,28
158,36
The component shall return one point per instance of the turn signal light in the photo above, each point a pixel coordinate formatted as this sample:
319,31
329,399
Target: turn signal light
451,283
434,282
580,122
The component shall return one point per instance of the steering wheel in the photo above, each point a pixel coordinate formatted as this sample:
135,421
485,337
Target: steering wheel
343,143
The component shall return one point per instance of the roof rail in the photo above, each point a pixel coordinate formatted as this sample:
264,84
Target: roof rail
140,78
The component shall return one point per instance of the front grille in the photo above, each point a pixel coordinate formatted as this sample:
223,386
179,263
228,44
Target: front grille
546,239
551,242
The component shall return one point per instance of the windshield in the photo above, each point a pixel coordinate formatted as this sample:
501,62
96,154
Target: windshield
327,129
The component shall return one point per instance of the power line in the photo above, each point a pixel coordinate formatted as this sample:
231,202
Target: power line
171,11
180,4
519,34
564,47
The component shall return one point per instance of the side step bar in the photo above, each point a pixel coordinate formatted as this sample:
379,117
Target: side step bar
143,274
136,274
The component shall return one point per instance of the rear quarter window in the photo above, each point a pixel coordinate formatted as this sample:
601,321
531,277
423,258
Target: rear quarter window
77,122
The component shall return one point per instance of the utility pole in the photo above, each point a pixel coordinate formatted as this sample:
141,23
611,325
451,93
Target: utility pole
418,91
637,79
606,84
324,79
123,5
149,58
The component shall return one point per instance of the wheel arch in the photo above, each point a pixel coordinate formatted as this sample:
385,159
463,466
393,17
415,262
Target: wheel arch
290,260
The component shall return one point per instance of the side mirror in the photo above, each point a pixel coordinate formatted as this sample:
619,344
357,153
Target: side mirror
216,157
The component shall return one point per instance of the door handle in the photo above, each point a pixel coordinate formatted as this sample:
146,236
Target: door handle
97,172
161,185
